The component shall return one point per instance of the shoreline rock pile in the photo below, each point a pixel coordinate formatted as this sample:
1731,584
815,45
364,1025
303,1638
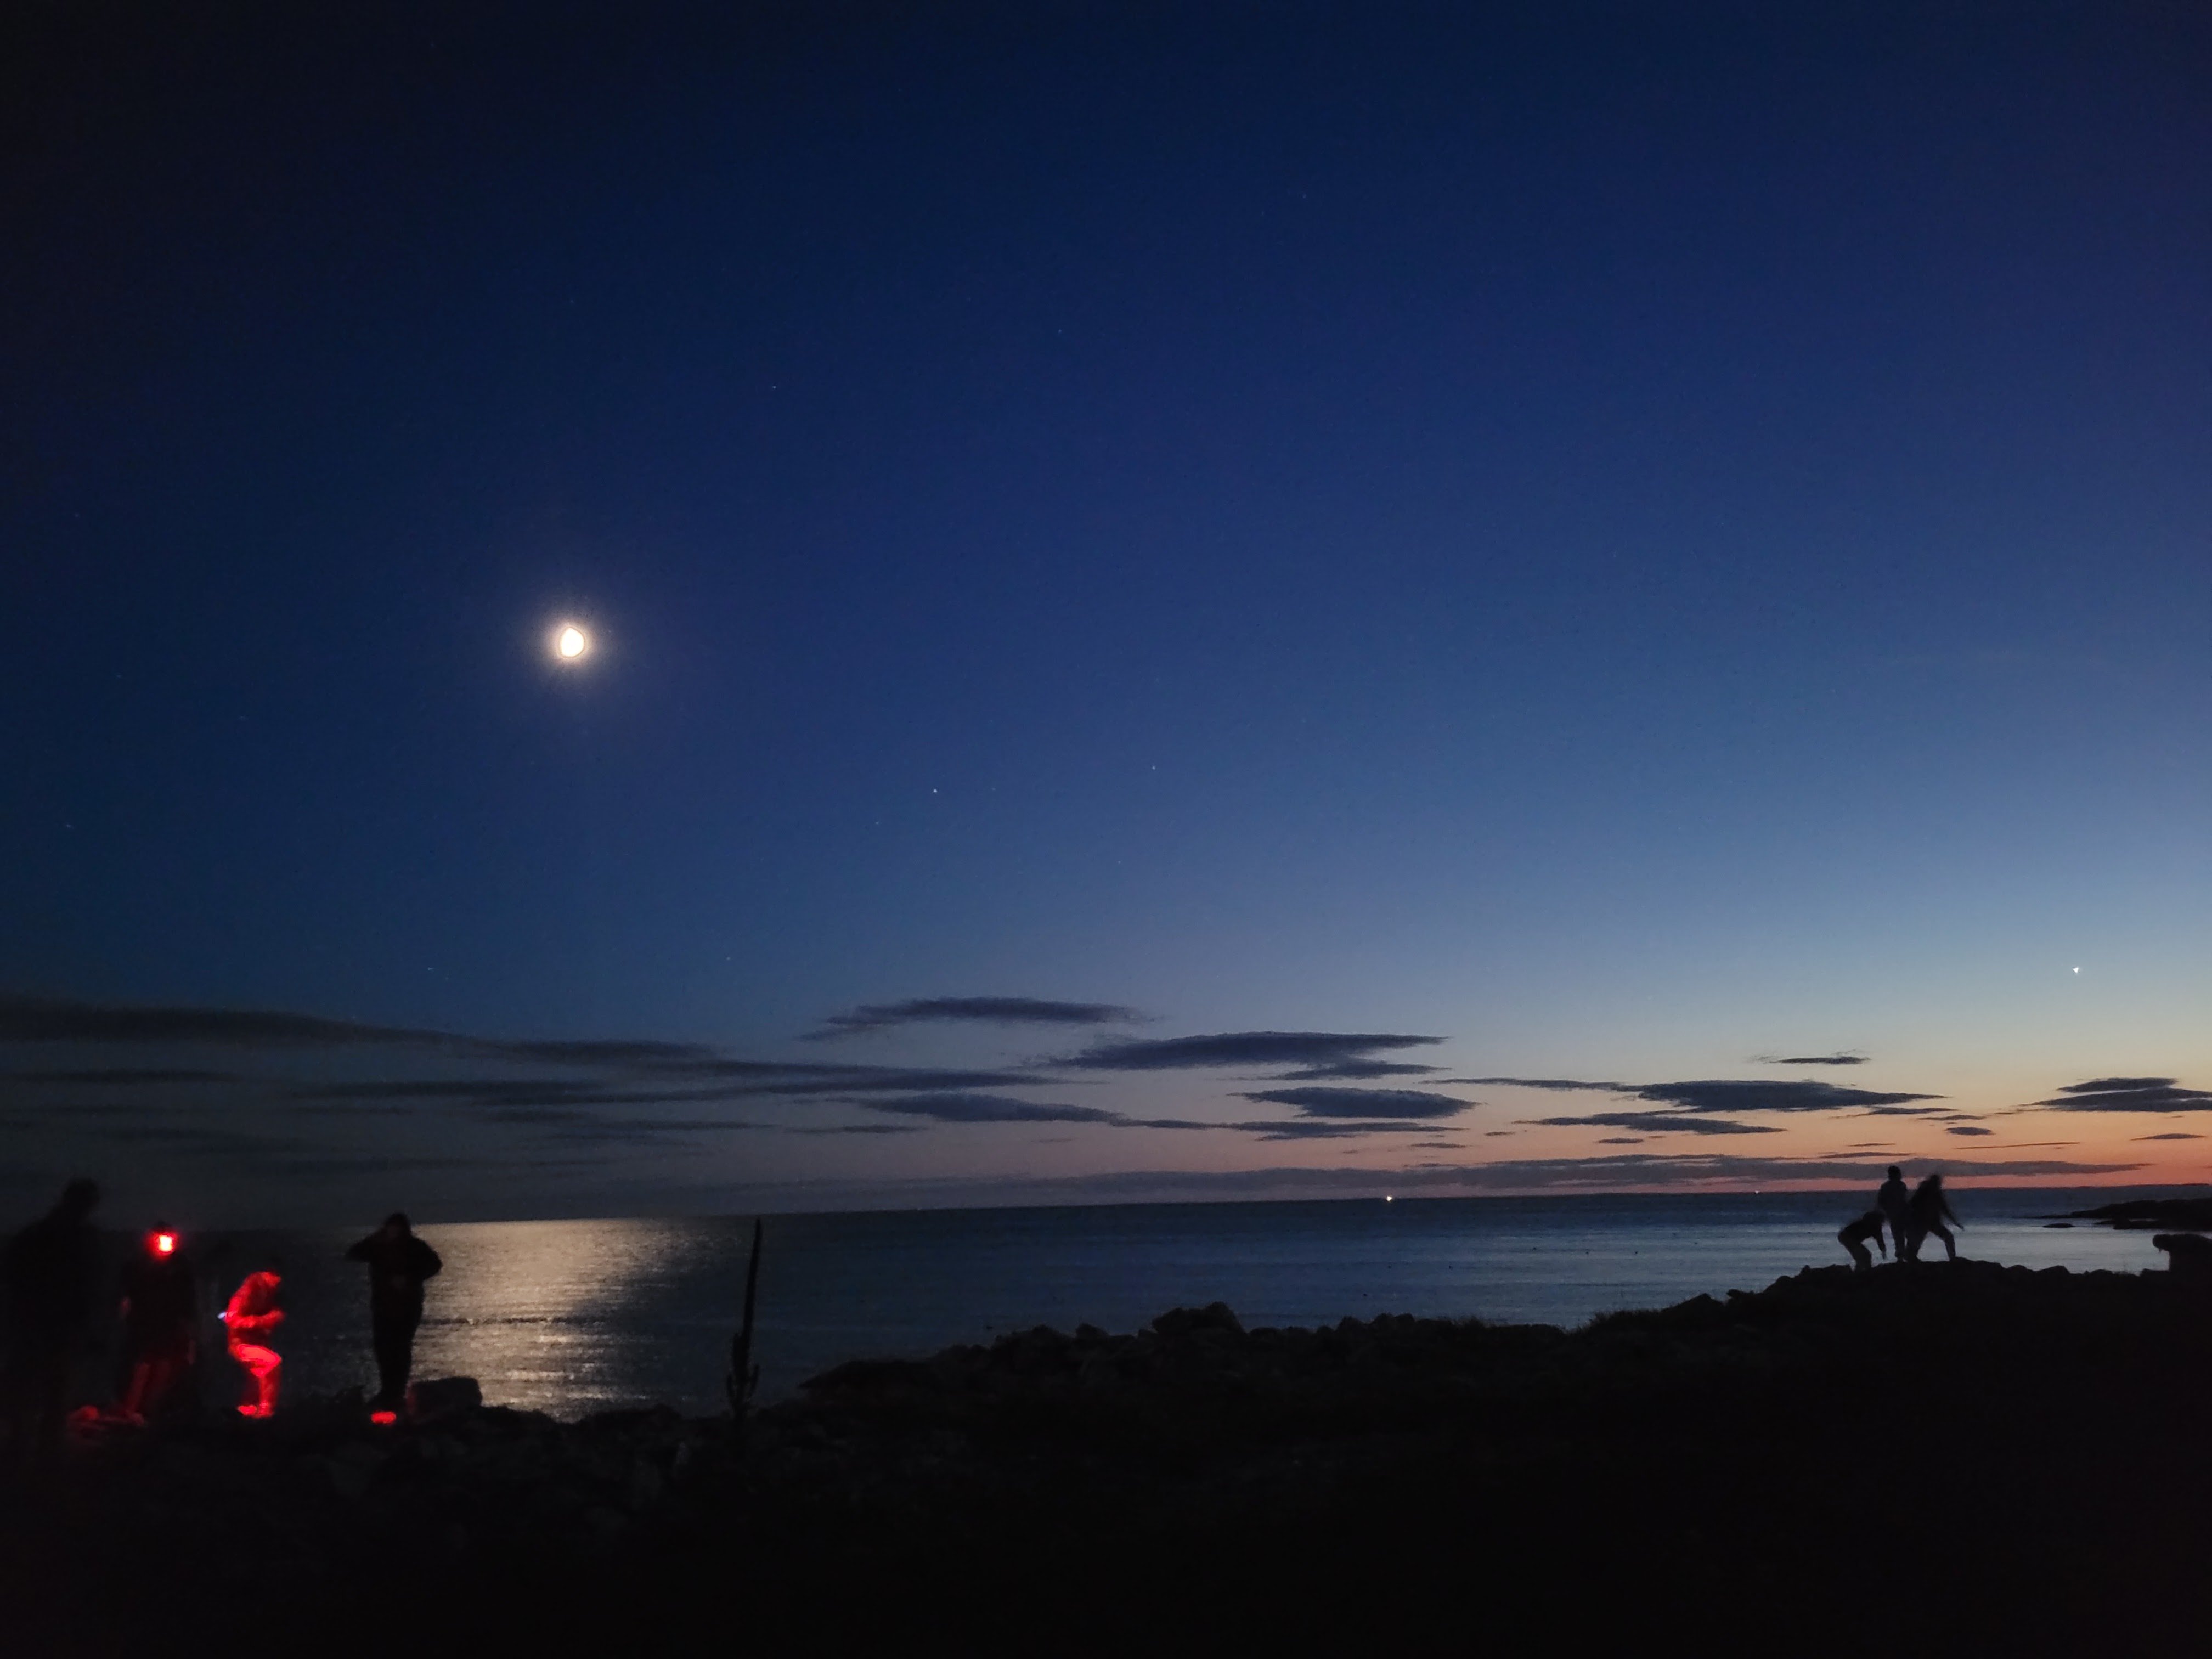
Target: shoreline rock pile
1067,1451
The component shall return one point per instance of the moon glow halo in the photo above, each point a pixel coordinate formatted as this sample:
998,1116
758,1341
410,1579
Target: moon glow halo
570,643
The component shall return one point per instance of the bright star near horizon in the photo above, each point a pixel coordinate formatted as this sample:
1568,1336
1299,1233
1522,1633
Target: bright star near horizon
571,643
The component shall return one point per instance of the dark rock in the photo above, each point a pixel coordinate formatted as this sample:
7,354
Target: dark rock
636,1422
1189,1321
442,1398
352,1468
1037,1351
869,1376
1065,1466
320,1417
2189,1255
607,1525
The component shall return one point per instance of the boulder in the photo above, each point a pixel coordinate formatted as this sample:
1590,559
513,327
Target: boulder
442,1399
876,1376
2189,1255
353,1468
1191,1322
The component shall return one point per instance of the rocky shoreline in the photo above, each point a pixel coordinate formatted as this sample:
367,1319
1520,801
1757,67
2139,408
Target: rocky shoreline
1832,1418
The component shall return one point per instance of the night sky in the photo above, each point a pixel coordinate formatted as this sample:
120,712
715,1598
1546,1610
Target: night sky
1193,601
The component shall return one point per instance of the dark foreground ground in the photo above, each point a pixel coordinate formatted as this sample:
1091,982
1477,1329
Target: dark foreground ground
1963,1458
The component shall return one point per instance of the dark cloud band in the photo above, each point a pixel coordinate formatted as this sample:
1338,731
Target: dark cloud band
1659,1123
1310,1049
1724,1094
953,1107
1322,1128
993,1011
1361,1102
125,1077
2129,1094
42,1019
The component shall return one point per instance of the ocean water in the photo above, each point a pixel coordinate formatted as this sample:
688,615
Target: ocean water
575,1316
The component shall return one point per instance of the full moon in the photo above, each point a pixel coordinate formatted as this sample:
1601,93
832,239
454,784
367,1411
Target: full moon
571,643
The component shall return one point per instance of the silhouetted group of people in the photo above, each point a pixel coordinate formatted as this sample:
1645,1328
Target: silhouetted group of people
1909,1218
50,1282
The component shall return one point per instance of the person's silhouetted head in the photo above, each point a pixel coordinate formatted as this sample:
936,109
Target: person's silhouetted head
1896,1174
396,1222
79,1199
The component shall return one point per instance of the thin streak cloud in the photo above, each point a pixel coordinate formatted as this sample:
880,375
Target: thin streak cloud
1724,1094
1225,1048
1362,1103
1657,1123
1309,1129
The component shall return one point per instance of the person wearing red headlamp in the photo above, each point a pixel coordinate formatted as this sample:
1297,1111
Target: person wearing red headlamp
161,1320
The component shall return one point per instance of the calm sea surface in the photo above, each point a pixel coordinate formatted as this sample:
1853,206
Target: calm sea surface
576,1316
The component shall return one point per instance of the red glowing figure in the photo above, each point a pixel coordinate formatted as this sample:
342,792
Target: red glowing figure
252,1317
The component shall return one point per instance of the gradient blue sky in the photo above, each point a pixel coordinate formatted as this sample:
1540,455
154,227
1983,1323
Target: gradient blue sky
1640,541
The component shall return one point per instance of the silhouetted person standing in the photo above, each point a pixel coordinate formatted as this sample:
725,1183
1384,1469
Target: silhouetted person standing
1930,1210
252,1319
50,1273
161,1320
399,1263
1896,1206
1855,1235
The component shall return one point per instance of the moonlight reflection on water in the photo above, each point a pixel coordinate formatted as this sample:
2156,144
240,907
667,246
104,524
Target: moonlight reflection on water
558,1315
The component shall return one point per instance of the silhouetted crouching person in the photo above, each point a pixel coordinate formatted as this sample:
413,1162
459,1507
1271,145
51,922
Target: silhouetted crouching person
50,1273
161,1321
1930,1210
399,1263
253,1318
1855,1235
